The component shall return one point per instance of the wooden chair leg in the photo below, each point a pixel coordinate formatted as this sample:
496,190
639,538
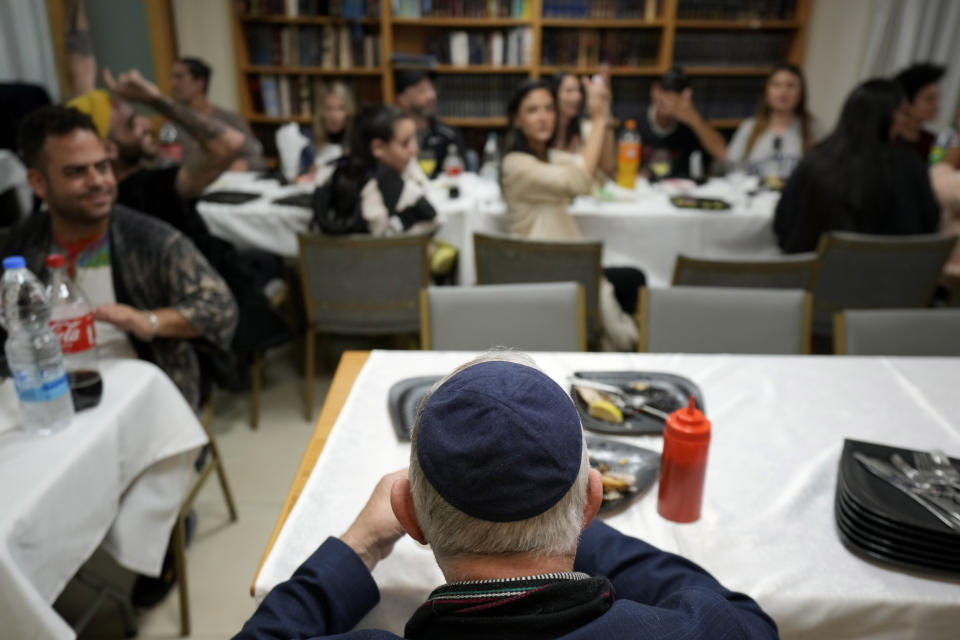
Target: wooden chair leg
311,348
255,368
222,476
180,563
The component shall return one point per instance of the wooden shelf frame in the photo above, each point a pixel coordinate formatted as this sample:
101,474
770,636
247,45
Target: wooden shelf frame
408,34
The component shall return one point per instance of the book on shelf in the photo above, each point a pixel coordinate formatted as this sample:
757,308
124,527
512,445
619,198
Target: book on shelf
736,9
347,9
730,49
412,60
461,8
497,48
475,96
602,9
589,47
346,46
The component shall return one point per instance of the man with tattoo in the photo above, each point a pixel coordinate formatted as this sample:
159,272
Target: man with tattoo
189,84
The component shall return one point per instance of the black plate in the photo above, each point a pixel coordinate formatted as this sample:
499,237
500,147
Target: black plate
643,464
675,390
404,400
880,553
871,522
916,549
878,497
229,197
303,200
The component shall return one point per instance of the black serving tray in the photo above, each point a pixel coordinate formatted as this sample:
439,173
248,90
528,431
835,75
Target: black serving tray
229,197
703,204
643,464
675,391
403,402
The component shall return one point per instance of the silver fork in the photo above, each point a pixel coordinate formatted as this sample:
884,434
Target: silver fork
936,468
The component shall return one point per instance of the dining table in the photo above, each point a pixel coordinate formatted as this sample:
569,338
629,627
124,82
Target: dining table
639,228
767,525
114,478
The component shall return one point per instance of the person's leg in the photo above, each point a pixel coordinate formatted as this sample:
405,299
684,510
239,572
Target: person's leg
627,283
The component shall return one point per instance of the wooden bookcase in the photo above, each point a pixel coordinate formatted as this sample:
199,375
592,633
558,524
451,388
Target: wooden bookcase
667,25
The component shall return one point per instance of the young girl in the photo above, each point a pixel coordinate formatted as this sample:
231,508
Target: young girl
781,131
378,189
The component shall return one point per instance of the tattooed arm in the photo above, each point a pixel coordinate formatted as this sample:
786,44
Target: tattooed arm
78,46
220,143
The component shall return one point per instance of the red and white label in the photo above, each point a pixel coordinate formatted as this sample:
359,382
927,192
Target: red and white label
75,334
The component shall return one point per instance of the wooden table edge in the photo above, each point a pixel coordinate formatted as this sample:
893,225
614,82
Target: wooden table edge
346,374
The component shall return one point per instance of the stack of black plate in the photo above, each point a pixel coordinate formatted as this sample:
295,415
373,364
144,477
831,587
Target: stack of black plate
877,521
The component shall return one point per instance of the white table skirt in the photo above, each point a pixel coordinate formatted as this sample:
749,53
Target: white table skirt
767,527
117,475
646,233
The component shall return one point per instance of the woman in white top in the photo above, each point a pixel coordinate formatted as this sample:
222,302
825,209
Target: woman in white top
771,143
332,127
538,182
572,128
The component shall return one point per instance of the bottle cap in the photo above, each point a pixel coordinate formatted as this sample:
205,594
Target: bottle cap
688,424
14,262
56,260
631,124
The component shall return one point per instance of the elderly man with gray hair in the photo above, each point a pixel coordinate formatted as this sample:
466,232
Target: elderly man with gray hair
500,487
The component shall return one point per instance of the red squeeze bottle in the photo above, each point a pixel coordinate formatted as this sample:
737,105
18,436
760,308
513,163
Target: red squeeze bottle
683,465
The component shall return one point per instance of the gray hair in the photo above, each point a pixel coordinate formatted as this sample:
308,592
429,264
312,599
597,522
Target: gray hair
451,532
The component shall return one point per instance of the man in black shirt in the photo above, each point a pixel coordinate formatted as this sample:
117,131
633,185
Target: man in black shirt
672,129
921,84
417,96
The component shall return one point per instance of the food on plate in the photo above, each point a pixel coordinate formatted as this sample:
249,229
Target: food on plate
616,484
606,411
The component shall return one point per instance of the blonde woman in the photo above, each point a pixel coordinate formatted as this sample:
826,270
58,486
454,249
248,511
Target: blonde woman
332,127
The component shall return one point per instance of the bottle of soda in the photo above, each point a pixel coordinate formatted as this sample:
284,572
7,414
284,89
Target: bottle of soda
33,351
71,318
452,164
628,156
170,144
489,169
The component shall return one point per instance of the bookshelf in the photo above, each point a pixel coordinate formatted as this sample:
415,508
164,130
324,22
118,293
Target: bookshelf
483,48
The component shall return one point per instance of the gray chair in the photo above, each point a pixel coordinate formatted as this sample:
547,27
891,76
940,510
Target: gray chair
897,332
360,285
788,272
724,320
502,260
546,316
857,271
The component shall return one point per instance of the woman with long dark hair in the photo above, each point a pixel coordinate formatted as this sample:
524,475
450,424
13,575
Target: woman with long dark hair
857,179
538,182
572,128
781,131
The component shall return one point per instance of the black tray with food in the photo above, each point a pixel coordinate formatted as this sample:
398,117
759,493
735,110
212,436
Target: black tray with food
663,393
704,204
403,402
229,197
628,471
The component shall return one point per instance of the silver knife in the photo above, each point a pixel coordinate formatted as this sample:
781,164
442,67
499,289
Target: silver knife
892,477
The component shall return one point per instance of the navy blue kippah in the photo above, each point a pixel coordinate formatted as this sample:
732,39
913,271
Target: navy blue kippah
500,441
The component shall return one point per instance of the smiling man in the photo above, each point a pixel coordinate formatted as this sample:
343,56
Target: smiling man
153,293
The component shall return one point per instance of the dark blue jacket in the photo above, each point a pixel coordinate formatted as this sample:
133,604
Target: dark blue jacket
658,595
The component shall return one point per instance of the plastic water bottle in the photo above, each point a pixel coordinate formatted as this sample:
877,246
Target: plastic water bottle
489,169
628,155
33,351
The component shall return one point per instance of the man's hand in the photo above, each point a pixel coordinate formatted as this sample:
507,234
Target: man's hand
683,109
132,86
126,318
374,532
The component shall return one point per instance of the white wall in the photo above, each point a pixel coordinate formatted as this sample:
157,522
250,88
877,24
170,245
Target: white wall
837,42
204,29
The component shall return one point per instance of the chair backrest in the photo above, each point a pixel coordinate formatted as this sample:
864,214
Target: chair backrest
858,271
897,332
360,285
502,260
545,316
724,320
788,272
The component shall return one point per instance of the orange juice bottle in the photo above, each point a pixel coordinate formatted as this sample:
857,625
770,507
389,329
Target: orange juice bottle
628,156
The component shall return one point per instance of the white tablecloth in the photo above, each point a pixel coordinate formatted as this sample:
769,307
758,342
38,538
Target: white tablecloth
647,232
767,527
116,475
